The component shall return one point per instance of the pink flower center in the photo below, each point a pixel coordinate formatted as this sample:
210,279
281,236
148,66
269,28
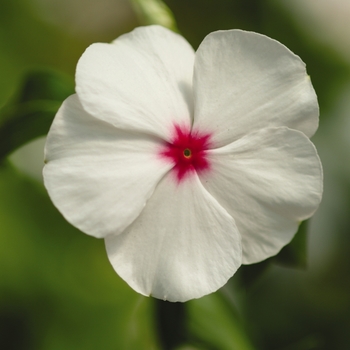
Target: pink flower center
187,151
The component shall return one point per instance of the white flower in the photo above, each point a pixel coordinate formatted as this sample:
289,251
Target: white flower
188,164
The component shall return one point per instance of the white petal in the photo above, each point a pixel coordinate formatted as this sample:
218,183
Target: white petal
245,81
98,176
142,81
182,246
268,181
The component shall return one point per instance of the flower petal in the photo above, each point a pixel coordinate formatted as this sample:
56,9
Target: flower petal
98,176
183,245
268,181
245,81
142,81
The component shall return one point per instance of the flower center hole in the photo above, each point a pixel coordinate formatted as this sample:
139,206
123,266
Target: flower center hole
187,153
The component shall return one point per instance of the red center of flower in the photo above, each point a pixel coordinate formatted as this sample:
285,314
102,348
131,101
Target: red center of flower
187,151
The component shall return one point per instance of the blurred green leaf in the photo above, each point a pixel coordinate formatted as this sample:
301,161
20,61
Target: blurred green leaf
57,288
45,85
295,253
310,342
214,323
154,12
30,113
249,274
24,123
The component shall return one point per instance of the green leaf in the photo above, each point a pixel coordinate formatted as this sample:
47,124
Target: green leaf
45,85
249,274
154,12
295,253
214,323
57,287
24,123
31,112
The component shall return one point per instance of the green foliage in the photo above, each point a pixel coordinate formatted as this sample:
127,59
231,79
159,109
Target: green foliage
31,112
57,288
154,12
295,253
214,323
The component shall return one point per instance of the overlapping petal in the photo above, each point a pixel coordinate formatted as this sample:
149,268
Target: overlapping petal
98,176
269,181
245,81
182,246
142,82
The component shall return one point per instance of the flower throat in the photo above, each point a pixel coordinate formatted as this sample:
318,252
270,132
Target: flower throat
187,151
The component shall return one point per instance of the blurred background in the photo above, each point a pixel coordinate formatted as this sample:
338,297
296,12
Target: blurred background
57,289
